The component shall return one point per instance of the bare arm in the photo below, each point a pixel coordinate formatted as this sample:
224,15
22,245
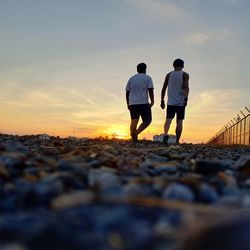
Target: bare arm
151,96
127,97
163,91
186,84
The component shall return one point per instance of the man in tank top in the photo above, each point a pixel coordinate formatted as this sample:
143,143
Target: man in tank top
177,82
138,89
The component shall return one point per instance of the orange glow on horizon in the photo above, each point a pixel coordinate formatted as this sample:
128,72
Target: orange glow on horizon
116,131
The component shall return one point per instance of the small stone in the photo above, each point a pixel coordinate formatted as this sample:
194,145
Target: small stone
163,228
227,179
185,155
230,201
208,194
13,247
31,171
116,241
15,147
229,172
178,191
243,164
14,164
65,165
102,179
75,199
165,169
174,147
157,158
246,201
133,189
232,190
108,169
247,182
30,177
3,171
209,167
57,144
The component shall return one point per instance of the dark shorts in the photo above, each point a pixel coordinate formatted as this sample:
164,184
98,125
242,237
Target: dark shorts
143,110
179,110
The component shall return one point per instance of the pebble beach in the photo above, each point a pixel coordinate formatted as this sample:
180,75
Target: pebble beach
75,194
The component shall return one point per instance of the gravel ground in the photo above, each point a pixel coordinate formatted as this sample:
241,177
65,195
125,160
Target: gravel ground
111,195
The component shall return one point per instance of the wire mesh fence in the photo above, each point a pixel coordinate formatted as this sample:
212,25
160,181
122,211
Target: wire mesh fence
236,131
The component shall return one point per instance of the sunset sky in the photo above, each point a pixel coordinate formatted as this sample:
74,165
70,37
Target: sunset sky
64,64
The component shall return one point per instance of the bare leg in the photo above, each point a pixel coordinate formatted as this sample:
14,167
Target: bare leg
178,131
167,125
133,126
142,126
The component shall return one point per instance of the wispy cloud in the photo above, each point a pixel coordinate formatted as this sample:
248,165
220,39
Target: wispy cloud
232,1
216,106
201,38
197,38
158,8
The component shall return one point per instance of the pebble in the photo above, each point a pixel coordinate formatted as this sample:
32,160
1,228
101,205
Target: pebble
247,182
165,169
3,171
208,194
15,147
134,189
12,247
209,167
74,199
243,164
178,191
102,179
227,179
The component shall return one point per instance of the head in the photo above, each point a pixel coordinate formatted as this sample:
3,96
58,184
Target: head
141,68
178,64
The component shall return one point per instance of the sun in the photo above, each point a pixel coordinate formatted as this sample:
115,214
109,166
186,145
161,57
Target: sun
117,131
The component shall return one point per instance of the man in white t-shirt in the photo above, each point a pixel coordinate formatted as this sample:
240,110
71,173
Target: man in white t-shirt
138,88
177,83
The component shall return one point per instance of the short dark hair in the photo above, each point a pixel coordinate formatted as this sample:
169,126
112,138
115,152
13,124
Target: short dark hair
141,67
178,63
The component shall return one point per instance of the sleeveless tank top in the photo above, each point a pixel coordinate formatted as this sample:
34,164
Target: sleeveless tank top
176,94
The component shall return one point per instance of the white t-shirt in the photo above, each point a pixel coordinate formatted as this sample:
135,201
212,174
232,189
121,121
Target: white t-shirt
138,86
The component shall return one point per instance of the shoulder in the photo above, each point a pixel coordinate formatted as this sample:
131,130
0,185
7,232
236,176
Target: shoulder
148,77
168,75
132,78
150,81
185,74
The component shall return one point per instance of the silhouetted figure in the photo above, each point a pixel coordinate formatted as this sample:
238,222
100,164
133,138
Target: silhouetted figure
137,90
177,82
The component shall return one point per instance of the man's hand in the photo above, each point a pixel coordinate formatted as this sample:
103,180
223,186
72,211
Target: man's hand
151,104
163,104
185,102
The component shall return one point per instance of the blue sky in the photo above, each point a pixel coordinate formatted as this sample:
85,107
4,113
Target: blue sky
64,64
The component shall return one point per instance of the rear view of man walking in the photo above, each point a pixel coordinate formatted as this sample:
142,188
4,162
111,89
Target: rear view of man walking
138,88
177,82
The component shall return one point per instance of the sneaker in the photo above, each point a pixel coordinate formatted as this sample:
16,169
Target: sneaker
134,138
165,139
